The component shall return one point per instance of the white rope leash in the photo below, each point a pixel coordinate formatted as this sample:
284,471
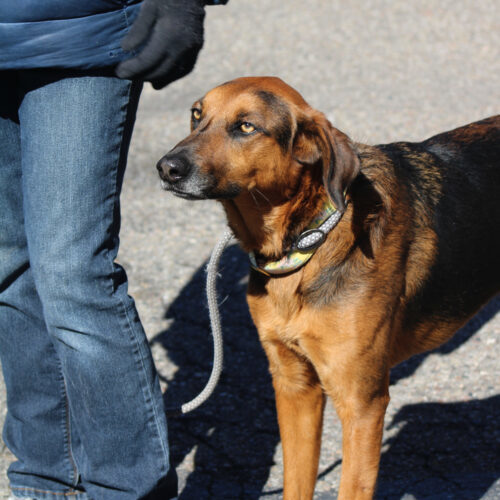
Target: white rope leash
213,311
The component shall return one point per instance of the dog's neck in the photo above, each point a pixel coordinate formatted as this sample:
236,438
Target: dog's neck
269,226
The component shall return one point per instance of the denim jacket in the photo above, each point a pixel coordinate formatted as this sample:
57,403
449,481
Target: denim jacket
80,34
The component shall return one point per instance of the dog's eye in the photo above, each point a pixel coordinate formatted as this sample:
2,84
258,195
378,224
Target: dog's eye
247,128
196,114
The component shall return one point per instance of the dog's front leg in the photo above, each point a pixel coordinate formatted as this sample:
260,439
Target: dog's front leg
358,382
300,403
362,428
300,421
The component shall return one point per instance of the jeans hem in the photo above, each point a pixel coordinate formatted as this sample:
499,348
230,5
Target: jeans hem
39,494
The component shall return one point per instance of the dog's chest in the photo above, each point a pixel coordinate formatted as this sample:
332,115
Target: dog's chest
279,312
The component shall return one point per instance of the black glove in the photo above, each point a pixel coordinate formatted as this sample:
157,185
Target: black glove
171,32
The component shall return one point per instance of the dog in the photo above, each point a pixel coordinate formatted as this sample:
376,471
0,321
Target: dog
361,256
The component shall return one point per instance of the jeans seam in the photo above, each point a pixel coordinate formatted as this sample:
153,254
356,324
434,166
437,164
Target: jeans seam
147,390
73,474
128,25
124,10
67,437
149,398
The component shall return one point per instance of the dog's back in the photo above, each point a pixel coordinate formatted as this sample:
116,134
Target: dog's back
454,182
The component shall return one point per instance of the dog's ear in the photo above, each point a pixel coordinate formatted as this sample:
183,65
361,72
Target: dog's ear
316,139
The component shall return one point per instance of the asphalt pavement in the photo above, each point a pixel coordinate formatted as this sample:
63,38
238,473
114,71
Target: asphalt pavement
382,71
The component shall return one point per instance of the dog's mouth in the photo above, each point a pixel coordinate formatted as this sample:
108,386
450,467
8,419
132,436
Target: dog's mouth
166,186
200,191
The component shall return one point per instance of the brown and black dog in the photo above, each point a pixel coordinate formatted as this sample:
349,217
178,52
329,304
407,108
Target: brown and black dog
415,254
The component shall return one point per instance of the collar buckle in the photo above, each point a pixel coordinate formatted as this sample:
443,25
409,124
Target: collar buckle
310,240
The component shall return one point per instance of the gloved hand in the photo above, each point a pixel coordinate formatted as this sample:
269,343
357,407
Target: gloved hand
171,32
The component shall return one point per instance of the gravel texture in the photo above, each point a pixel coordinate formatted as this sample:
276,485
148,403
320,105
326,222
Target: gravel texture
382,71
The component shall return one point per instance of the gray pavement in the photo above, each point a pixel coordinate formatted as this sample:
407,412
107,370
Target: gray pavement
382,71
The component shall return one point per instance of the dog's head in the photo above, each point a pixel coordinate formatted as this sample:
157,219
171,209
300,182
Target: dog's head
257,133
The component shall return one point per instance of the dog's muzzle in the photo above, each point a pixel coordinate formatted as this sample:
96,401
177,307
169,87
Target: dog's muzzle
181,177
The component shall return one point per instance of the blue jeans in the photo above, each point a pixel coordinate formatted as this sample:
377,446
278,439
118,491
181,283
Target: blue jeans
85,411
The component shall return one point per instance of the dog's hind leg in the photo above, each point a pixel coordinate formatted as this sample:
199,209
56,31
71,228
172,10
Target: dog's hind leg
300,403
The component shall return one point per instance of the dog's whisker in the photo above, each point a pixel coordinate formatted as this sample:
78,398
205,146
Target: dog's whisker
263,195
254,198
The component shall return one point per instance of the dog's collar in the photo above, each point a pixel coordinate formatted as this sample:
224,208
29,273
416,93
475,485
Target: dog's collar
305,245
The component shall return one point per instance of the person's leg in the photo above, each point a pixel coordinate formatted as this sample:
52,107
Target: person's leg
36,425
75,132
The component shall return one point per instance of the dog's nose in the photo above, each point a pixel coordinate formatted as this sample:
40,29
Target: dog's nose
173,168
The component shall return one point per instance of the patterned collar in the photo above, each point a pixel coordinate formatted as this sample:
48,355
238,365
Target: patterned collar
305,245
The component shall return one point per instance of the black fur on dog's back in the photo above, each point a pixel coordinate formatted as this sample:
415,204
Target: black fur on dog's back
456,176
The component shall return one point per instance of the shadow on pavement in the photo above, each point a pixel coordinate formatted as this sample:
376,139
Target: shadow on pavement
232,438
234,434
442,451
